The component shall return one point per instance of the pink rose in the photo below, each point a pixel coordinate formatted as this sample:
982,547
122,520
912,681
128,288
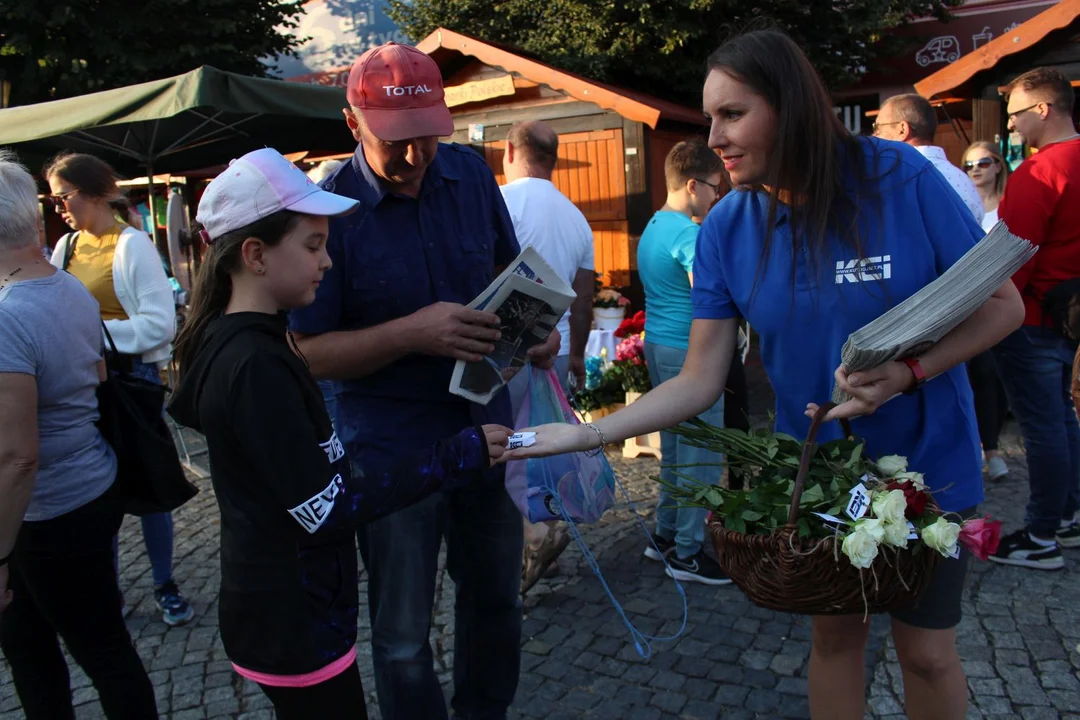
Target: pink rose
981,536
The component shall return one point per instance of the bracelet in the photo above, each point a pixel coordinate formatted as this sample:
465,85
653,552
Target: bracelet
600,435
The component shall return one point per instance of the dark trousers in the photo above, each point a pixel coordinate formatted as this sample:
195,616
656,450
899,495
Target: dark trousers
1036,368
339,698
991,403
483,534
736,407
64,584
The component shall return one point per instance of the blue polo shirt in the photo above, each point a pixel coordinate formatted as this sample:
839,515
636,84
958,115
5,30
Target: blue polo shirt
393,256
804,311
665,256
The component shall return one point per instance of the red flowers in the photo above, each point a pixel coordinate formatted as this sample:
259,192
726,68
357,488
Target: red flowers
916,498
631,325
981,536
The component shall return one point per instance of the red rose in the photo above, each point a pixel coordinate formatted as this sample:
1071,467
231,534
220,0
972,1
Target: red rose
981,536
916,498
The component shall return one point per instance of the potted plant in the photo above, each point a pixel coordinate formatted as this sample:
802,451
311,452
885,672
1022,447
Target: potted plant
609,308
630,370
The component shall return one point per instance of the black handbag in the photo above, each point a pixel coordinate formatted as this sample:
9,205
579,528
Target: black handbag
149,471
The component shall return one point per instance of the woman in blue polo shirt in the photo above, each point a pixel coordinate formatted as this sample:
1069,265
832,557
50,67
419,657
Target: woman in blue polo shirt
826,232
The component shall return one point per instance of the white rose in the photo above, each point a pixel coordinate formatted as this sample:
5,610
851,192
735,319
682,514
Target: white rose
860,547
874,527
892,464
941,535
916,479
896,534
889,506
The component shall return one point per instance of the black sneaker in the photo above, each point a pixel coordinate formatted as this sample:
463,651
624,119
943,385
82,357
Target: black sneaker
662,550
1019,549
698,568
1069,535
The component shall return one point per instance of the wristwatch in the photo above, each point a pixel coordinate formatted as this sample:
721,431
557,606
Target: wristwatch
916,370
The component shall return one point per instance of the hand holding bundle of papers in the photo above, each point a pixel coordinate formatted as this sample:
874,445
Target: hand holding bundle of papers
912,327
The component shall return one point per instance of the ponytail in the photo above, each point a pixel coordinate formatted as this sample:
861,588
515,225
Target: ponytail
212,289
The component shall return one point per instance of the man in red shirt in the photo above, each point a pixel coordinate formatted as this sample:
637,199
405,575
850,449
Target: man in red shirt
1042,204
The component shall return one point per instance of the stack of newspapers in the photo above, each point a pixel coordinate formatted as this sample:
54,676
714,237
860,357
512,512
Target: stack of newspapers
912,327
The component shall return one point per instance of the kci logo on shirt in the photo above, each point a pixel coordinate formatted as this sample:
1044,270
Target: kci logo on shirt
864,270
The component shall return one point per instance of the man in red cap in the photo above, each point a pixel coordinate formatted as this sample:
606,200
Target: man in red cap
387,325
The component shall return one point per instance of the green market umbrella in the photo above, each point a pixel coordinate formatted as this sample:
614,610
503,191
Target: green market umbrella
199,119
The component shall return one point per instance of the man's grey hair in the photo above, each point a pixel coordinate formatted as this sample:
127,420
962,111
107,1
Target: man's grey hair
19,214
917,112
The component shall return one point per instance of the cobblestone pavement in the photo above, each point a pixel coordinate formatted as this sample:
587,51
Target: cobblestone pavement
1020,638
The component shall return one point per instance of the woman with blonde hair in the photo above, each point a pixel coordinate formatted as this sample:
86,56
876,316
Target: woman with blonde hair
985,165
121,268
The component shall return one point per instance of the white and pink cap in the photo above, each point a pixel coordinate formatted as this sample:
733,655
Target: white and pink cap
258,184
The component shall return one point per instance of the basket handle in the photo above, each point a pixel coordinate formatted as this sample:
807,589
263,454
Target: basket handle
809,448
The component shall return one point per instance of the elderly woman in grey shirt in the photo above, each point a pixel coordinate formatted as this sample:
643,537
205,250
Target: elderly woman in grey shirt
59,507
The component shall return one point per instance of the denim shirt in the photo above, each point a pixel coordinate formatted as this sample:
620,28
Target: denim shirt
392,257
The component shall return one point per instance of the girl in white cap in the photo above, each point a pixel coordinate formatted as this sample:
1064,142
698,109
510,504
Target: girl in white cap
289,505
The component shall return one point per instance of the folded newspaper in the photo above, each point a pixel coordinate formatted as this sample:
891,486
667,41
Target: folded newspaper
913,326
529,299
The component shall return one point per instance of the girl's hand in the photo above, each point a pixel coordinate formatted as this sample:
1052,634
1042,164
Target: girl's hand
869,389
556,439
497,436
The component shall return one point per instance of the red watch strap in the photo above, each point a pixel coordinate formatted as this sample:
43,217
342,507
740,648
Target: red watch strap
916,370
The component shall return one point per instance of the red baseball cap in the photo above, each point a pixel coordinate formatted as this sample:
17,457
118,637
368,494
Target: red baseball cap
399,91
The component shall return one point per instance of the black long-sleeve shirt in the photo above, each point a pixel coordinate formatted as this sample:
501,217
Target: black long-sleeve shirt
289,501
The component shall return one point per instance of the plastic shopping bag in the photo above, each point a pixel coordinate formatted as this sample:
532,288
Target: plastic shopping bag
580,486
574,488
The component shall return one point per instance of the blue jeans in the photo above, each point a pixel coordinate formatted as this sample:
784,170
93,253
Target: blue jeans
686,525
483,534
1035,365
157,528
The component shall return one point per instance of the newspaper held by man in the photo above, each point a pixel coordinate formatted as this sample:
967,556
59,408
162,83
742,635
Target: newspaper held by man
529,299
915,325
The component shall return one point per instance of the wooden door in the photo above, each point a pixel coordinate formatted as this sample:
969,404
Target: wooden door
591,172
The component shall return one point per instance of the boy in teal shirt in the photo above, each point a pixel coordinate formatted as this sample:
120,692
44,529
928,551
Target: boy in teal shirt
665,260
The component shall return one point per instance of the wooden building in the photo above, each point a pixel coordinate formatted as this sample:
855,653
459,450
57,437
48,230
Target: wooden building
612,141
1051,38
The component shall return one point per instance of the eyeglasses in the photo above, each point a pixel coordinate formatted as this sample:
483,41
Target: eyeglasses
715,188
983,163
60,200
1012,115
877,126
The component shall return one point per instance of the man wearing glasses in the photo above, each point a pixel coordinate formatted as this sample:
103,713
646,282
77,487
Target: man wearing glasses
1042,205
665,259
912,119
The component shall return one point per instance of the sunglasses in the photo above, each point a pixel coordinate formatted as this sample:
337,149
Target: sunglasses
983,163
60,200
1021,111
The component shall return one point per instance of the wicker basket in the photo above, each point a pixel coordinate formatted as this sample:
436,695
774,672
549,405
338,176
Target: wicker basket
810,576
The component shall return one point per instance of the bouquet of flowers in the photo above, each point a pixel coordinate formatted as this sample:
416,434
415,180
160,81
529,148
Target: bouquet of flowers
609,298
825,514
634,325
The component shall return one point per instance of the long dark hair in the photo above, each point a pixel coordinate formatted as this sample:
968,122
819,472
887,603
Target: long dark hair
213,285
816,164
90,175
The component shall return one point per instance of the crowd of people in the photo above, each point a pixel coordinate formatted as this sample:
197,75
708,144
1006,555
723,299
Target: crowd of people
326,318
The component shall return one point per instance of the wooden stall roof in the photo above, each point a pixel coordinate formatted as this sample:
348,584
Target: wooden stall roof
1021,38
443,44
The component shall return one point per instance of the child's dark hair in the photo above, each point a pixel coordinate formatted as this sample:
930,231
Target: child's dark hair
90,175
213,283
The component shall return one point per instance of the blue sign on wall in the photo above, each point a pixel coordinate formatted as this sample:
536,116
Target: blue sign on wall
339,31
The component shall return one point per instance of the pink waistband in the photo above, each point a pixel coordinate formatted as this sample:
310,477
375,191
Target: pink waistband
307,679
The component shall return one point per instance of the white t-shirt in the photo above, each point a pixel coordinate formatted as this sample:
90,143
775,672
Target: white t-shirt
545,219
957,179
990,219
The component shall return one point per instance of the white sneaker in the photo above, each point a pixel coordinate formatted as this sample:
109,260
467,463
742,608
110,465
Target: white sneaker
996,468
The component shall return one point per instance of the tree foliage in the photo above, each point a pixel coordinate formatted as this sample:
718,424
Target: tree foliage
660,46
51,49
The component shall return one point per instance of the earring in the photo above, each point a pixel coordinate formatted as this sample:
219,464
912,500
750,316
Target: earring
261,270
